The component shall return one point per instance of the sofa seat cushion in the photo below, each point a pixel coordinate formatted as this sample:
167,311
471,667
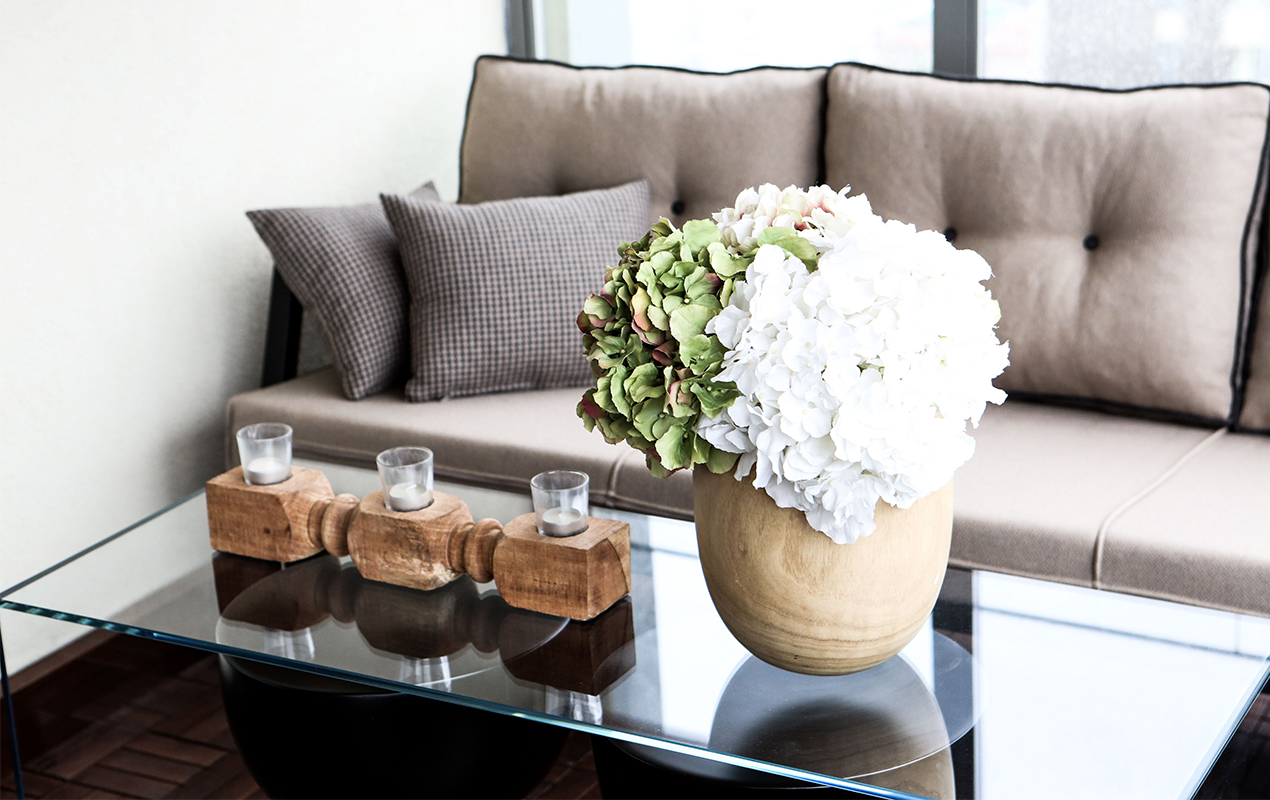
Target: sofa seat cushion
1030,502
540,128
1043,479
499,440
1121,226
1202,536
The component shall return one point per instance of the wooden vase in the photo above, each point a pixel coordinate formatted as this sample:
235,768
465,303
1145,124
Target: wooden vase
799,601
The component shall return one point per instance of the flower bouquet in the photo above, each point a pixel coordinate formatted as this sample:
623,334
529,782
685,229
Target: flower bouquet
800,339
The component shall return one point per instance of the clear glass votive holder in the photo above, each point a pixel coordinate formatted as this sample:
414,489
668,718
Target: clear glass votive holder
406,473
265,452
561,502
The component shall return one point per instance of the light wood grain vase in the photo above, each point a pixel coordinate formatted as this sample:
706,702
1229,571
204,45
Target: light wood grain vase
799,601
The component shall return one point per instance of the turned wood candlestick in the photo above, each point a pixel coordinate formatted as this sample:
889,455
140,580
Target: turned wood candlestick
276,522
577,576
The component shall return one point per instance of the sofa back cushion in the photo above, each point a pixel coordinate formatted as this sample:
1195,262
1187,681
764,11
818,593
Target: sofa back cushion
537,128
344,266
1120,225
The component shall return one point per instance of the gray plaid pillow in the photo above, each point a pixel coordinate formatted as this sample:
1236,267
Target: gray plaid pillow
495,288
344,266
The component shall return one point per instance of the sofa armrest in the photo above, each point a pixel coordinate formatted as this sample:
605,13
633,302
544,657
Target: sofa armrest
282,335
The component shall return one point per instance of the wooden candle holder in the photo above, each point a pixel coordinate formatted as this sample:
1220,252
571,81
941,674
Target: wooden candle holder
279,522
577,576
574,576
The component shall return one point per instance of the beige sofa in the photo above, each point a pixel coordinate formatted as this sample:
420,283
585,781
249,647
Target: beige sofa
1129,244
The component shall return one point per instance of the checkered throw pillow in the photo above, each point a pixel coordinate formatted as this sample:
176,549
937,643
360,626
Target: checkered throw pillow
496,288
344,266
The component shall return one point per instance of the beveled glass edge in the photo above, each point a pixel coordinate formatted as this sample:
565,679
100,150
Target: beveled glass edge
101,543
1220,744
462,700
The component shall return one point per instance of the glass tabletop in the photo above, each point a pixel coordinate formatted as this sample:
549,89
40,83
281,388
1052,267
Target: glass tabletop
1016,687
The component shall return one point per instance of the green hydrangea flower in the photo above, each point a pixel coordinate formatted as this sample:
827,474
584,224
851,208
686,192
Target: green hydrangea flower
645,338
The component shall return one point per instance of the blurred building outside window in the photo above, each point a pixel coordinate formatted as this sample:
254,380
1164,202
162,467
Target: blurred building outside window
1106,43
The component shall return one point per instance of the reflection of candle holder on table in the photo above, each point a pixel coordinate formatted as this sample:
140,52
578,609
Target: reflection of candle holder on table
441,622
287,724
413,624
580,662
270,596
586,657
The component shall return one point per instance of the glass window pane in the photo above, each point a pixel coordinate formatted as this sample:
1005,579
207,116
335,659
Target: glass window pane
720,37
1125,43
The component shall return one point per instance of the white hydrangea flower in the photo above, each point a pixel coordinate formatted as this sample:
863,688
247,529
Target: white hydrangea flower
858,378
814,213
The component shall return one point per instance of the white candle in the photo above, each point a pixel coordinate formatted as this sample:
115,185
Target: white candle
409,497
266,470
563,522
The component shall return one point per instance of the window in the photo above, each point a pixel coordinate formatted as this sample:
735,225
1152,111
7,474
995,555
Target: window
720,37
1109,43
1123,43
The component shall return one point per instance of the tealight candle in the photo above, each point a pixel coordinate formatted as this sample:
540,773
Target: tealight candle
265,452
266,470
563,521
406,475
560,502
409,497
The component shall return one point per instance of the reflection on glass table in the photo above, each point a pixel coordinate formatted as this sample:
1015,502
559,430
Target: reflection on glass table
432,638
1069,691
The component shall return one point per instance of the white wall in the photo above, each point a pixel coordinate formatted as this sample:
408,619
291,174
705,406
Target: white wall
133,135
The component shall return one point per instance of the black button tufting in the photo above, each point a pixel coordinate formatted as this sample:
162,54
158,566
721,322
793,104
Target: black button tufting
677,207
1091,242
950,233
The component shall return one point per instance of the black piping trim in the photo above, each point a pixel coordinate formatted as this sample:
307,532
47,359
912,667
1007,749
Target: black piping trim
467,114
824,80
822,170
1010,81
1243,342
283,330
1262,260
620,67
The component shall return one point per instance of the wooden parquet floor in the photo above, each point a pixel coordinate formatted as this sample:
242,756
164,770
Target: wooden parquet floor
140,719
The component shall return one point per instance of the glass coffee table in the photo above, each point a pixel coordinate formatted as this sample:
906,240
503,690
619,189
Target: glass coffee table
1016,687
